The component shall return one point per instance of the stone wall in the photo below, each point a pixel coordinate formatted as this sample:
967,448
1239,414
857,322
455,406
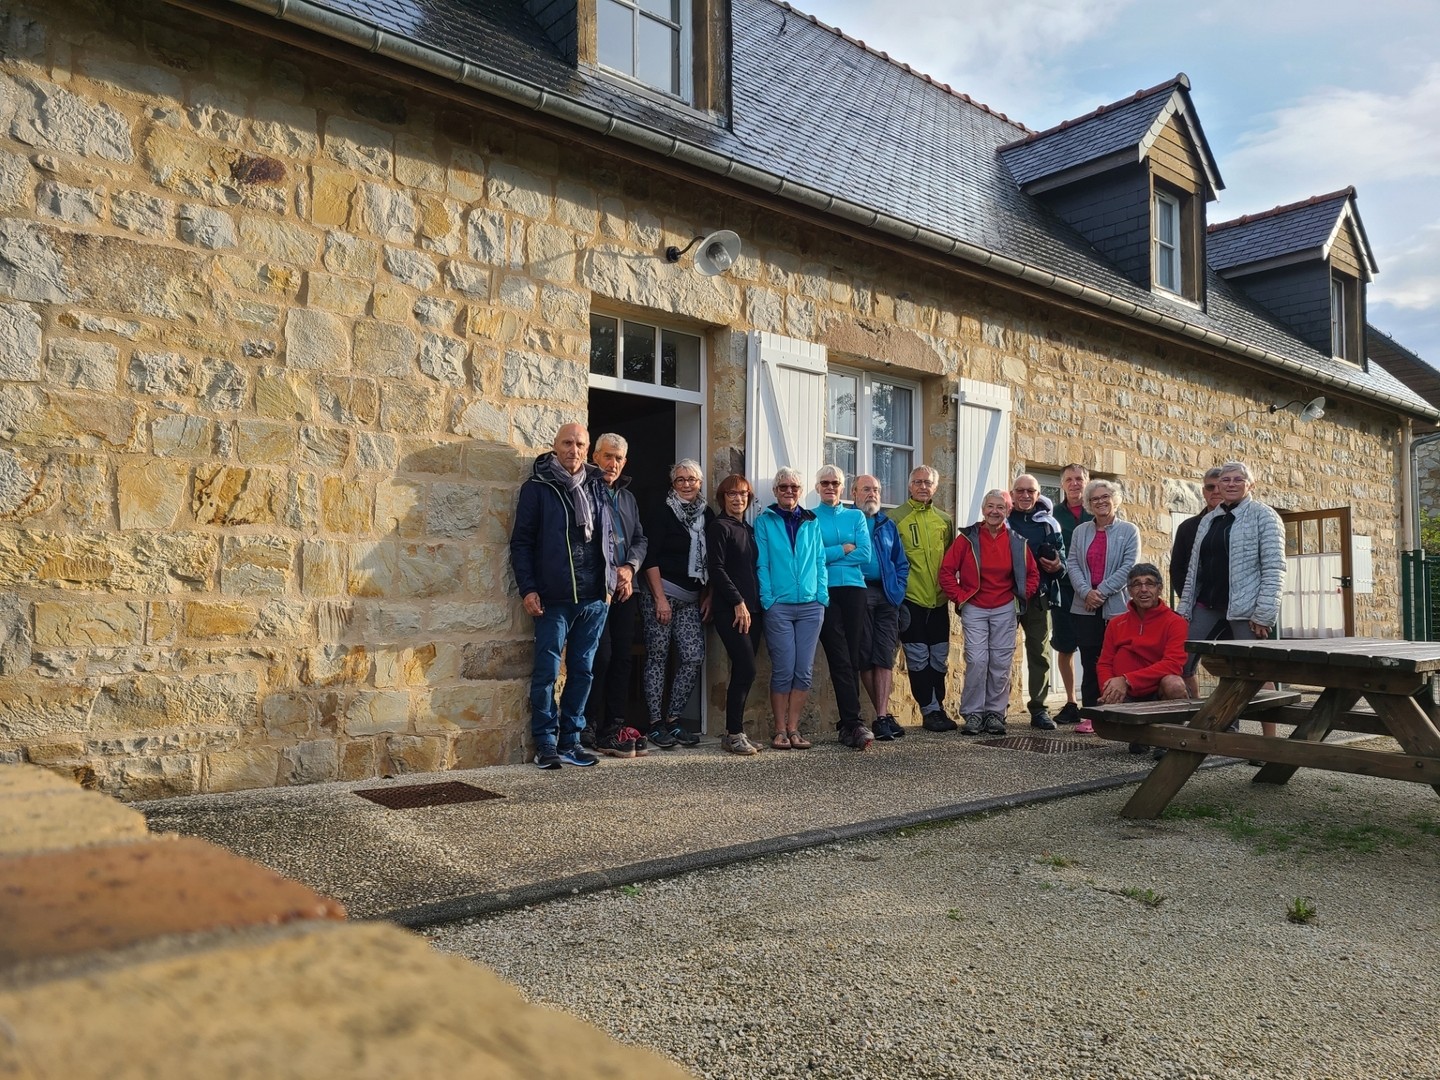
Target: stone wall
278,341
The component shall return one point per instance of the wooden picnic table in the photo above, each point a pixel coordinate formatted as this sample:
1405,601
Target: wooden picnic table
1387,675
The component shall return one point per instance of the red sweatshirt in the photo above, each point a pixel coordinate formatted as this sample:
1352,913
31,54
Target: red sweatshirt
1144,647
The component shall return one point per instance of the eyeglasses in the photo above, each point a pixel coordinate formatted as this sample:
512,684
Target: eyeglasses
922,483
687,480
1212,487
737,494
787,487
1027,491
827,483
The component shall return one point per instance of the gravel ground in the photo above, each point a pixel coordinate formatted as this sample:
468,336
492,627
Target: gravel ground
1021,945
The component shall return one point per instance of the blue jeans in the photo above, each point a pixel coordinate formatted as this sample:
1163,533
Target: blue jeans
573,629
792,632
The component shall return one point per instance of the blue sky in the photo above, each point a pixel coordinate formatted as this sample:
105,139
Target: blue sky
1297,99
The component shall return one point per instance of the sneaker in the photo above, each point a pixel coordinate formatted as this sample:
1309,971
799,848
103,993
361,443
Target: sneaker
547,759
632,735
974,725
588,738
1070,714
578,755
882,729
613,745
856,736
684,736
1040,718
994,724
739,744
938,721
663,739
1084,727
895,729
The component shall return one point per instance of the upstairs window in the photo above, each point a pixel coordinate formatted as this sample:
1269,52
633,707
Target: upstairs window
648,41
1166,233
870,428
1337,317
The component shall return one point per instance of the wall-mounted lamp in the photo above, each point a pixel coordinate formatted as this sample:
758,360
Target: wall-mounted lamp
1313,409
717,253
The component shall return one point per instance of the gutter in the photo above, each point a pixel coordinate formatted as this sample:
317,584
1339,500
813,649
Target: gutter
362,35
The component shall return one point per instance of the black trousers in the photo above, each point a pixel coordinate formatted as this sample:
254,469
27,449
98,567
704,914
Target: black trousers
840,638
614,657
1090,637
742,650
926,642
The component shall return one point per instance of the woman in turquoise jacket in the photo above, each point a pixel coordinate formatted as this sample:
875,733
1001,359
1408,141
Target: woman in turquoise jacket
794,591
847,552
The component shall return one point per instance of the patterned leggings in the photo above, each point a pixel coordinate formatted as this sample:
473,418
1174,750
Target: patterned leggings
688,634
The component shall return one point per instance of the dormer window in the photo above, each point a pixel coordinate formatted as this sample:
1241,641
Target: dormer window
1337,315
1166,233
646,40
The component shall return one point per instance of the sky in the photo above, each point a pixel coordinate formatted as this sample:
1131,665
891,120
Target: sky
1296,99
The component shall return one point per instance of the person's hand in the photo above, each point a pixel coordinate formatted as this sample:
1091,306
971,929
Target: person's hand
705,606
1114,691
847,548
1094,601
533,607
742,618
662,611
624,582
1050,566
1260,630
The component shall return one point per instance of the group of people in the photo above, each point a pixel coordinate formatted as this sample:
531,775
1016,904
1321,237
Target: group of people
859,584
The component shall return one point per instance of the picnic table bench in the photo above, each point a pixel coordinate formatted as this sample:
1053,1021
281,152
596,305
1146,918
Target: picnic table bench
1387,674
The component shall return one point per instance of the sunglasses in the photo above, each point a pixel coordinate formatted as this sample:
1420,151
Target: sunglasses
787,487
828,483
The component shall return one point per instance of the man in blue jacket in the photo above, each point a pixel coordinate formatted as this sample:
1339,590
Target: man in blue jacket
1031,516
886,575
566,572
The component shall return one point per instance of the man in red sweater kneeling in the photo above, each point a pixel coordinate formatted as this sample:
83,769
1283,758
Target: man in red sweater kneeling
1144,651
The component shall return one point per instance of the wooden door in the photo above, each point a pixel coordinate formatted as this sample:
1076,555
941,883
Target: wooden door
1319,596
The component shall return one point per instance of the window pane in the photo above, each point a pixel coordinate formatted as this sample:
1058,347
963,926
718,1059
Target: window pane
1165,222
666,9
639,352
892,413
893,466
679,360
840,452
658,61
602,345
615,31
842,394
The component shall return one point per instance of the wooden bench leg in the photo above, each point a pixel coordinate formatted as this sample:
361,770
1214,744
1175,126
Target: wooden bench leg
1327,709
1410,725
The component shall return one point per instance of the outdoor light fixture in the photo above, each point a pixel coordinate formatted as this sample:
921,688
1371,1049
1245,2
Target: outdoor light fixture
717,253
1314,408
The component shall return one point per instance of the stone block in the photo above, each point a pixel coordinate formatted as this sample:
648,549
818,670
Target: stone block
193,701
345,296
413,409
465,179
88,624
443,359
350,255
468,280
52,819
455,510
416,165
416,754
359,146
436,313
24,487
521,192
282,241
551,253
19,343
49,117
149,215
575,207
151,495
334,665
391,302
177,435
16,640
388,214
163,624
496,660
358,760
164,777
314,762
537,377
210,620
316,340
264,442
243,769
484,420
80,206
457,619
399,508
385,349
349,402
32,708
293,714
346,506
411,268
322,568
375,452
17,187
79,364
440,225
282,394
256,565
278,127
324,448
458,708
167,374
378,712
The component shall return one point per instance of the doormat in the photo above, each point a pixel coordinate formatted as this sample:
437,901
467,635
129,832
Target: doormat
1039,745
414,796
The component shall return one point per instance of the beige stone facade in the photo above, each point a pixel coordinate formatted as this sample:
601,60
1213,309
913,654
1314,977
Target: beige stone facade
278,340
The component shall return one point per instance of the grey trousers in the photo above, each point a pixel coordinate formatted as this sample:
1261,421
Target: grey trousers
989,652
1036,624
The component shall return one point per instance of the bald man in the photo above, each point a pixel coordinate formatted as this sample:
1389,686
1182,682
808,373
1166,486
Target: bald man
566,568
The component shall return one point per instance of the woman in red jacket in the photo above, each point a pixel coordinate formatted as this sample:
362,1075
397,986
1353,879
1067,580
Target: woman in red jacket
990,575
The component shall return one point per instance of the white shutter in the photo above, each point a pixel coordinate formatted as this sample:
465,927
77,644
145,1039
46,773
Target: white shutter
785,422
982,446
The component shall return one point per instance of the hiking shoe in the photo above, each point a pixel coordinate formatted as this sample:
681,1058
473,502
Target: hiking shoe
974,725
1040,718
994,724
663,739
856,736
884,728
739,744
578,755
938,721
1084,727
632,735
613,745
547,759
1070,714
895,729
684,736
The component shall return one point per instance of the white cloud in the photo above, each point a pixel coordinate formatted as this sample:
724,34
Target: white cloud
1411,272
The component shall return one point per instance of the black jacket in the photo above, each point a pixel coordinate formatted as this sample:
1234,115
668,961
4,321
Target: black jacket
547,550
730,550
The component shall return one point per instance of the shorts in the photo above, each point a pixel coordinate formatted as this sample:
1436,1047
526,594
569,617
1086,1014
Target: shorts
879,632
1062,630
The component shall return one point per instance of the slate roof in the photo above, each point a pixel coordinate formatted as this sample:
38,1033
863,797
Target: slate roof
1296,229
1407,367
820,119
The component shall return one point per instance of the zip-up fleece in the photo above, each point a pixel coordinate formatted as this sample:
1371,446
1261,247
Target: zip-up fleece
544,543
926,534
790,575
1040,526
888,567
841,525
960,570
1144,647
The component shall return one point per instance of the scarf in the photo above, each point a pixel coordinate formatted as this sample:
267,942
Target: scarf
577,484
692,515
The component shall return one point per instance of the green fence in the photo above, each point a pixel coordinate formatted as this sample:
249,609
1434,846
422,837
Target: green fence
1420,595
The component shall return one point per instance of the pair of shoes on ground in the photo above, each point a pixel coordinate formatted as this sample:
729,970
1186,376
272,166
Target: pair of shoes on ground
887,728
548,758
1070,714
667,738
739,743
624,742
938,721
789,740
856,736
1040,719
986,723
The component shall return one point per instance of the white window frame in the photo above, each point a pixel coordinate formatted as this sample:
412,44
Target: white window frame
623,385
1167,256
1339,329
683,29
864,440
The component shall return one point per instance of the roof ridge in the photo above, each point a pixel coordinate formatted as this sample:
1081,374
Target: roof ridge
1276,211
1181,80
946,87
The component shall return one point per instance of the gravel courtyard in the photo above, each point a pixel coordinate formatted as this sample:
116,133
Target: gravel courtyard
1057,940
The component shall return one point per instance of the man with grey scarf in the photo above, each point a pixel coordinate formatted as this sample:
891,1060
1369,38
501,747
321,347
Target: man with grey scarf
565,572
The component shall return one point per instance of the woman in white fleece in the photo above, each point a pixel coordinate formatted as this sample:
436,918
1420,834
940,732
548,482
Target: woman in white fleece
1237,569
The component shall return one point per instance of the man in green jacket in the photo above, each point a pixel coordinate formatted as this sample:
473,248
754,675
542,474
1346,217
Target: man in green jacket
925,533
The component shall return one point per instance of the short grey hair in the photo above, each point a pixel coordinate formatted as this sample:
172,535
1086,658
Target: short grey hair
934,473
1237,466
830,472
1094,486
686,463
1001,494
618,442
1213,474
784,475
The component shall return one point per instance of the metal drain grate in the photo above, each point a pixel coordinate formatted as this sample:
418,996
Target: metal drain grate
414,796
1039,745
